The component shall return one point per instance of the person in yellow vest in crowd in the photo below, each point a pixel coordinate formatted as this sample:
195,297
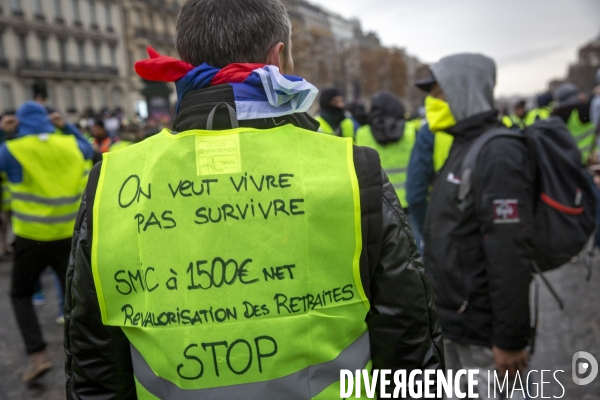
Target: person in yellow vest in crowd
129,134
519,115
5,193
44,171
332,117
573,107
102,141
542,111
230,258
522,118
428,156
392,136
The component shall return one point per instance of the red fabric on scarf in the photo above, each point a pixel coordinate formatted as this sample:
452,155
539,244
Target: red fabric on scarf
169,69
162,68
234,73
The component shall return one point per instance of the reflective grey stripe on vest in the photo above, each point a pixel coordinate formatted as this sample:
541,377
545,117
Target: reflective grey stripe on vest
399,186
584,135
586,148
44,220
61,201
390,171
301,385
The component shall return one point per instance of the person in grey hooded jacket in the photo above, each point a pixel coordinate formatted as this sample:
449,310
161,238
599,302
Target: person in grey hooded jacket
595,106
479,258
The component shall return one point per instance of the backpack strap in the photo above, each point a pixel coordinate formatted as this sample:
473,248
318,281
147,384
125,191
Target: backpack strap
90,197
469,163
370,182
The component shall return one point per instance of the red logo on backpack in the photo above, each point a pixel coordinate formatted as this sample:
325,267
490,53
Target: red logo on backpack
506,212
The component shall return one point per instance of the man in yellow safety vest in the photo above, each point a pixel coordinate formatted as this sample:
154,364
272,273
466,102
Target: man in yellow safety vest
242,254
573,107
392,136
44,171
332,117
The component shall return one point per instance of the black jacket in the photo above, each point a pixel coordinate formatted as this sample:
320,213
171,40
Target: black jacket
479,265
403,324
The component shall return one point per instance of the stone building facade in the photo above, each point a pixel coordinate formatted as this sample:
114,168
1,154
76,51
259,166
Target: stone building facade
85,50
74,46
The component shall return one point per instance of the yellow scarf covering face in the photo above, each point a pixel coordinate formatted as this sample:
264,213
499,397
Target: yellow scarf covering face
438,114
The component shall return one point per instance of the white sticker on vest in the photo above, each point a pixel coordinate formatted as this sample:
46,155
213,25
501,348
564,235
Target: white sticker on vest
216,155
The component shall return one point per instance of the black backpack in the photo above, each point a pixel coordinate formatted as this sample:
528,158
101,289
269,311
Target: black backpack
565,206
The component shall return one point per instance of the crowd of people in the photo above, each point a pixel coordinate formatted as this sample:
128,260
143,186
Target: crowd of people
431,262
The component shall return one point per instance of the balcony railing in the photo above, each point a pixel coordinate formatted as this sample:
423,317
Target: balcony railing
49,66
161,38
170,6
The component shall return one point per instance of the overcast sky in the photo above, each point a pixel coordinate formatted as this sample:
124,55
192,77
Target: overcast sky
532,41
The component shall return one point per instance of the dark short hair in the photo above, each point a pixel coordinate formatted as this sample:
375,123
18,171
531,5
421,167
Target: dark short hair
99,123
222,32
40,89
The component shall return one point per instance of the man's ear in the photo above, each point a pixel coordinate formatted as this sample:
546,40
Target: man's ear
274,56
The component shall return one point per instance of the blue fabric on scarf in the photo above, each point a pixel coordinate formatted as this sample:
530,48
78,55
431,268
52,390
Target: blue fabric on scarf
198,78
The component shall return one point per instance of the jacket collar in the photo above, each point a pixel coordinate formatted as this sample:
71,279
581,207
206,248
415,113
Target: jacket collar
196,105
474,126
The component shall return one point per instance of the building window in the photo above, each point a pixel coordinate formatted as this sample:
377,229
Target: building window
44,49
166,23
22,47
87,97
113,56
81,53
143,53
15,5
2,53
108,16
76,13
137,18
7,97
62,50
151,21
58,10
27,92
131,60
70,98
103,99
98,55
117,98
93,19
50,100
37,8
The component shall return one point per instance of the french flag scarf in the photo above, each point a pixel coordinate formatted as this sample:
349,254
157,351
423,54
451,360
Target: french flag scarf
260,90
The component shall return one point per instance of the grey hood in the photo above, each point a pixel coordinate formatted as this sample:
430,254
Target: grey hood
468,82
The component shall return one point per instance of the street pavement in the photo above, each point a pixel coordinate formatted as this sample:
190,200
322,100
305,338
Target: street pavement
560,335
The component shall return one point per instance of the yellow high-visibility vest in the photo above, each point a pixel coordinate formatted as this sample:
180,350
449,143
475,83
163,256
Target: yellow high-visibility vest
583,134
346,128
46,202
394,156
441,149
232,264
